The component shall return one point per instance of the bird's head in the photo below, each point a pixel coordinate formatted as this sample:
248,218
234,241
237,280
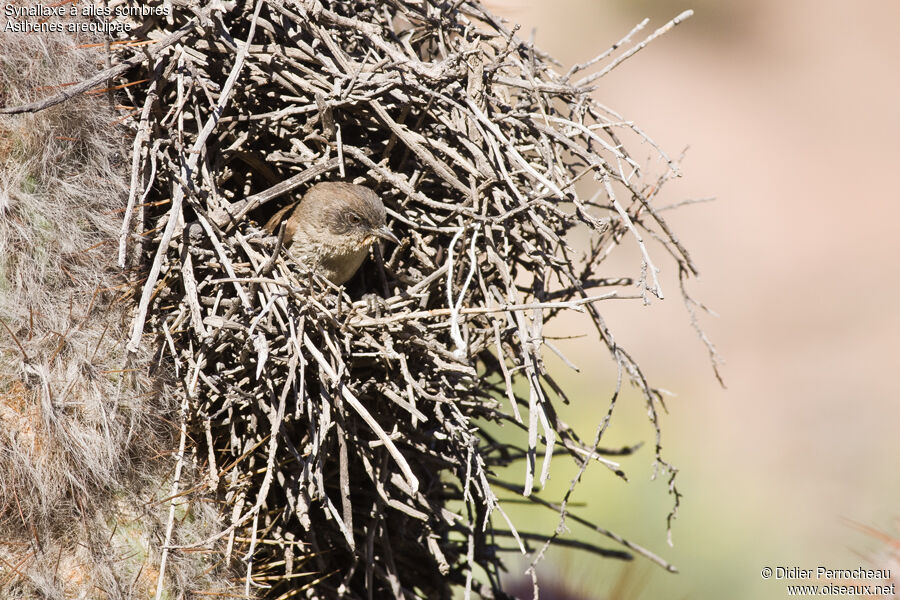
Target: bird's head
348,212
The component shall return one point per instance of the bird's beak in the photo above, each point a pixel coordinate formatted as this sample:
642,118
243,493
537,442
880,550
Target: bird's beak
386,234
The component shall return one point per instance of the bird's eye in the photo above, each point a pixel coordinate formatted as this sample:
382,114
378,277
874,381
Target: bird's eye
354,219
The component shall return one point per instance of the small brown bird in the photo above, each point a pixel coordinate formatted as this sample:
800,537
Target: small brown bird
331,228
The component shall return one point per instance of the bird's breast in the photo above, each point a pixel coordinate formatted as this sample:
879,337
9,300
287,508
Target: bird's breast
339,268
337,263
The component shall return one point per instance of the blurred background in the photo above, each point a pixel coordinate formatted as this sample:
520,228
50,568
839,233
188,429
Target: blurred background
791,113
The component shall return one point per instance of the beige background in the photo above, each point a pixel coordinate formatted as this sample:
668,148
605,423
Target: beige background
792,114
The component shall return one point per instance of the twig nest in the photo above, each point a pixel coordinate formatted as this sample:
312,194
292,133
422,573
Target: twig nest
344,438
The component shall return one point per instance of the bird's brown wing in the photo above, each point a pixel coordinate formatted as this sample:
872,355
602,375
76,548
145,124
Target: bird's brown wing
275,221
